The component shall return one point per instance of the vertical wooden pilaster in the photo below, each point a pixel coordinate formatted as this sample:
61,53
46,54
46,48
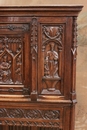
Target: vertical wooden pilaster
34,48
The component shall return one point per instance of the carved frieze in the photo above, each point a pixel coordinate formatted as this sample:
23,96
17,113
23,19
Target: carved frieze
30,113
30,117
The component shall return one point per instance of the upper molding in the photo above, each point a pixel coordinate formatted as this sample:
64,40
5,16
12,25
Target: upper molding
60,10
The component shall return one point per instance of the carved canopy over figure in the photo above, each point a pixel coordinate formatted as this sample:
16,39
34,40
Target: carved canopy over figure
51,62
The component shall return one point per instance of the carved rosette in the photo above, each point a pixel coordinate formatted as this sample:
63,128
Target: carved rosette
52,44
11,62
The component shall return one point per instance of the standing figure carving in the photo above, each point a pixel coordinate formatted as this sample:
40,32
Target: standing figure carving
51,62
5,72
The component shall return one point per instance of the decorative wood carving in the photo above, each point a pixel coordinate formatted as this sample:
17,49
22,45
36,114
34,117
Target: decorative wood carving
12,27
74,54
30,113
24,91
52,46
37,67
34,32
34,49
74,48
11,62
31,123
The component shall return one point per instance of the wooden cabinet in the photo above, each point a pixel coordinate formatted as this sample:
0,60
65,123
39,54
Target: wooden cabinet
38,48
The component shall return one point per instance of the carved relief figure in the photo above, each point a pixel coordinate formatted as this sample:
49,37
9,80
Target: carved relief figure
51,62
5,73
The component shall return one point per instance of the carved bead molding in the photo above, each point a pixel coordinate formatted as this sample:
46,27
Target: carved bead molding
74,48
43,118
11,27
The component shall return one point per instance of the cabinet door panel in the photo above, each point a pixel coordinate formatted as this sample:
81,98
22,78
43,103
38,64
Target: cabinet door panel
51,58
14,62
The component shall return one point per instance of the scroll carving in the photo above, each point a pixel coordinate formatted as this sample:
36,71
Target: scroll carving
12,27
11,59
52,44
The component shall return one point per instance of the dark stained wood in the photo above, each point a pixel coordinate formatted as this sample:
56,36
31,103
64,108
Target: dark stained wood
38,48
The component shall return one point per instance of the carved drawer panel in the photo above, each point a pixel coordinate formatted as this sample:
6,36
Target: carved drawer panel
31,117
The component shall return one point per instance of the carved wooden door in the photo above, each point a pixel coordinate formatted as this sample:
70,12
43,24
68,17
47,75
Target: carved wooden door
15,58
53,55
